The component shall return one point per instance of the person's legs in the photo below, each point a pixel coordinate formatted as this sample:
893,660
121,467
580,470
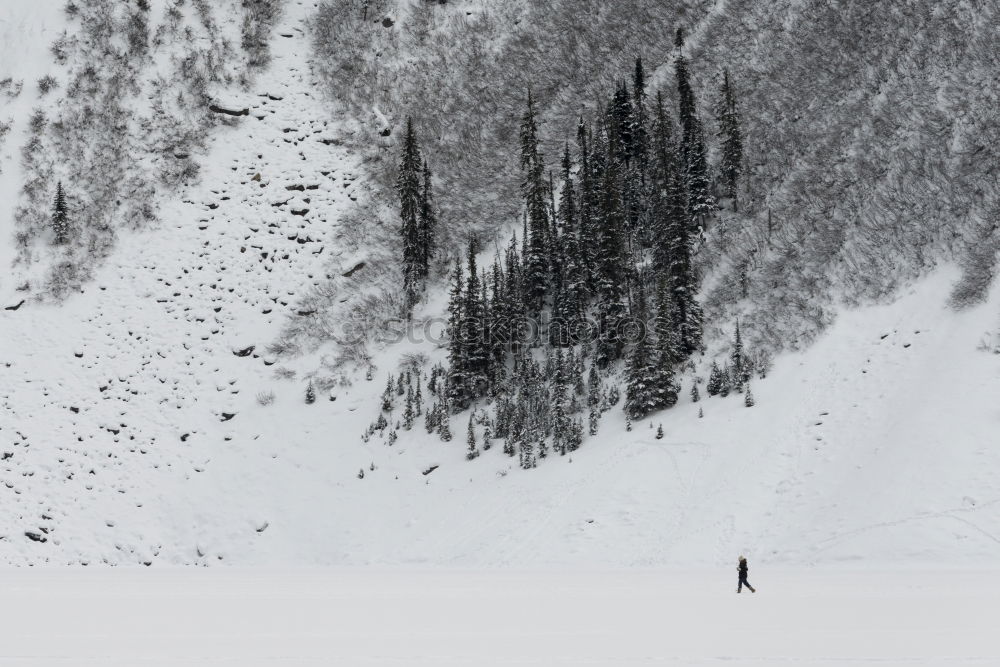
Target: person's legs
739,586
752,589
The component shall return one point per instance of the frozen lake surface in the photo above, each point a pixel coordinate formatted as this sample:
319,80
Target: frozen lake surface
821,618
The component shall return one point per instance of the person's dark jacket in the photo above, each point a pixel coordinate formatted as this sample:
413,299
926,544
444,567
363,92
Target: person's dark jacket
743,569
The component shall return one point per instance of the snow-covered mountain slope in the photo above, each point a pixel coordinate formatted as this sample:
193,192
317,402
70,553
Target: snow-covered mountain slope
149,419
877,444
26,32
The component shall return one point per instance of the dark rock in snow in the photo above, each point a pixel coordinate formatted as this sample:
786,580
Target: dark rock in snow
215,108
354,269
430,470
35,537
245,352
15,307
226,416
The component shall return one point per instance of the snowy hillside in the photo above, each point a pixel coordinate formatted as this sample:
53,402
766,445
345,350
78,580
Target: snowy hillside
156,413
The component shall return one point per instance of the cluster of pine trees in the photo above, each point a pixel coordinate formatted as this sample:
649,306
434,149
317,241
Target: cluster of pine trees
602,277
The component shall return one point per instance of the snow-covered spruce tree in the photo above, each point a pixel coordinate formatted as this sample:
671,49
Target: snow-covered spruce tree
667,351
641,395
659,432
409,413
408,188
444,423
387,395
674,247
740,367
748,399
695,394
728,117
726,380
714,385
536,194
60,217
639,123
695,162
587,217
432,418
611,268
457,385
310,393
471,356
470,440
426,224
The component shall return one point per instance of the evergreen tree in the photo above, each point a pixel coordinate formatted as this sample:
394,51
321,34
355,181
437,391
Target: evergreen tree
659,432
588,226
426,224
611,268
470,440
738,361
310,393
595,419
535,195
667,196
432,418
457,350
640,131
667,353
620,121
641,396
387,395
695,394
728,118
476,351
574,280
60,216
714,386
699,199
444,423
748,398
408,188
528,460
409,414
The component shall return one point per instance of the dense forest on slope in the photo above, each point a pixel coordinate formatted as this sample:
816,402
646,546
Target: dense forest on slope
870,131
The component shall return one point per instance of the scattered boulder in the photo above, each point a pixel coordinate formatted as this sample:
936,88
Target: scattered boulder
15,307
215,108
35,537
245,352
354,269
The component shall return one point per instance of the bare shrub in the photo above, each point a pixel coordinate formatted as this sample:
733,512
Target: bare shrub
46,84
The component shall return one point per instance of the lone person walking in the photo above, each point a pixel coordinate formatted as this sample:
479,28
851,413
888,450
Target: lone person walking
743,577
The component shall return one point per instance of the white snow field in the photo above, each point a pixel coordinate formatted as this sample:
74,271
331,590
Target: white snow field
131,431
368,618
